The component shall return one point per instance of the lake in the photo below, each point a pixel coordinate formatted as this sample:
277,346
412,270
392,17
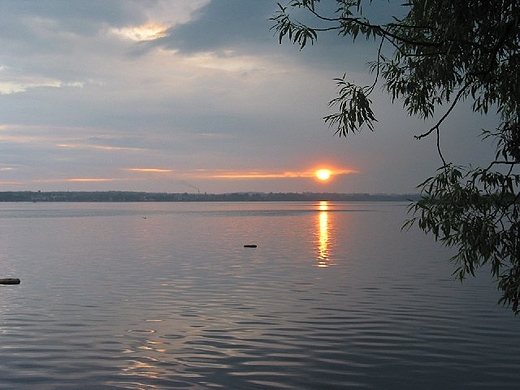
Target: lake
166,296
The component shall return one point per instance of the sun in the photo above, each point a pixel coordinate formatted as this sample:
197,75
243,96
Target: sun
323,174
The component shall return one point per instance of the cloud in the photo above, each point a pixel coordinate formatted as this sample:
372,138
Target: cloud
222,25
146,32
13,83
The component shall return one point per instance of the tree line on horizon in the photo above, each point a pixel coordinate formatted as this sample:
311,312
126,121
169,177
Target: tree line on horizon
135,196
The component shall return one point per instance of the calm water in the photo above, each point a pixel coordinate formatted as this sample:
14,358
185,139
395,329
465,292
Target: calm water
165,296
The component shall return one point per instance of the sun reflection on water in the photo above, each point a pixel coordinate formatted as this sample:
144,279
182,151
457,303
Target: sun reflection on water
324,259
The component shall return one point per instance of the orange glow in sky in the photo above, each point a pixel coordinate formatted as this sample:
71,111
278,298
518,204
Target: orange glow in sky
89,179
322,174
153,170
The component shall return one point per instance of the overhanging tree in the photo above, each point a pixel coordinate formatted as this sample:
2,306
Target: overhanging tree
442,52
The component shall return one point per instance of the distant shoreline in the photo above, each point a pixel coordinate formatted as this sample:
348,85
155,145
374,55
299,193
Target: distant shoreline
135,196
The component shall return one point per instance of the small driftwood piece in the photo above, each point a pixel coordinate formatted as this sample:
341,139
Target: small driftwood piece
9,281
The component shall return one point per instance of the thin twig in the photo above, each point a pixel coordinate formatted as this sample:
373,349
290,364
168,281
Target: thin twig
439,147
446,114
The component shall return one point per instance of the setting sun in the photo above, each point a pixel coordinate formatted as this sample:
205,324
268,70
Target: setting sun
323,174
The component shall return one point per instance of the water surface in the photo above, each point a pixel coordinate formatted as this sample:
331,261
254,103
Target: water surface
164,295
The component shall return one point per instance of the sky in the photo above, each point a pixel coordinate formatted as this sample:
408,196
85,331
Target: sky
196,96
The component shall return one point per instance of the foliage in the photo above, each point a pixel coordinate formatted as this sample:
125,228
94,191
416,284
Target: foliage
442,52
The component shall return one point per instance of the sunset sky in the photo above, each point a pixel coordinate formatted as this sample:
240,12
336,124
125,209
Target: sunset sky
195,95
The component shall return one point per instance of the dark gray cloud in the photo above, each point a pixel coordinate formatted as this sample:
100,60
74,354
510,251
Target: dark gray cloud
223,25
245,27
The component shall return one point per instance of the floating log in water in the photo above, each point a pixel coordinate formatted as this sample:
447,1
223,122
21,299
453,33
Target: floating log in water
250,246
10,281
